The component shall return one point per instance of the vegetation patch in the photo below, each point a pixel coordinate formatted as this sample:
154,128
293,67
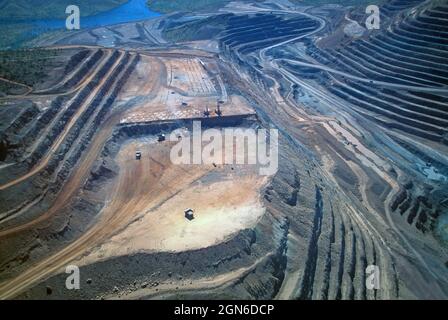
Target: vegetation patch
44,9
27,66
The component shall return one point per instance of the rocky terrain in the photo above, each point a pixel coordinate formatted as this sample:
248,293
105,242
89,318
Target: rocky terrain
363,166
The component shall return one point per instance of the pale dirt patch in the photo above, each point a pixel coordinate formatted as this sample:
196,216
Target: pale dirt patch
168,106
223,204
204,45
174,88
190,76
145,79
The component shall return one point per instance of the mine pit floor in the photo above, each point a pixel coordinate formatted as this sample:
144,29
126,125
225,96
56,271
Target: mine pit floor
152,195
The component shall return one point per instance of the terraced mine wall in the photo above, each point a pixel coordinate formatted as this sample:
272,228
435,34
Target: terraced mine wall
99,109
37,128
404,119
70,111
53,121
19,138
419,205
9,134
411,54
47,183
305,230
76,60
266,242
246,35
336,247
314,241
70,222
86,67
416,207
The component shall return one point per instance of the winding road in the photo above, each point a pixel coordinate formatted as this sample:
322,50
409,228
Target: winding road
272,64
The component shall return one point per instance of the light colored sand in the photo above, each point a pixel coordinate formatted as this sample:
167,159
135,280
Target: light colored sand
224,205
173,88
190,76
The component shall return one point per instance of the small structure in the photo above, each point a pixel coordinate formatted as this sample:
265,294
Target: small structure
138,155
218,110
161,138
189,214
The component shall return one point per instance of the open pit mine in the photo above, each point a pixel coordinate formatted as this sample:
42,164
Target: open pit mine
358,208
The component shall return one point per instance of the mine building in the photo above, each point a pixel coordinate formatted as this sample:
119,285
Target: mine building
189,214
218,110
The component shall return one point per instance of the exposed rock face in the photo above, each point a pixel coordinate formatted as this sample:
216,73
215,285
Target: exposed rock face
354,30
362,162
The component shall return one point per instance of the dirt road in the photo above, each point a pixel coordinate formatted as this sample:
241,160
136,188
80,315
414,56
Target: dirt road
44,162
151,182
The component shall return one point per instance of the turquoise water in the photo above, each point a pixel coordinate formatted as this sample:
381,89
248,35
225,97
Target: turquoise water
133,10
